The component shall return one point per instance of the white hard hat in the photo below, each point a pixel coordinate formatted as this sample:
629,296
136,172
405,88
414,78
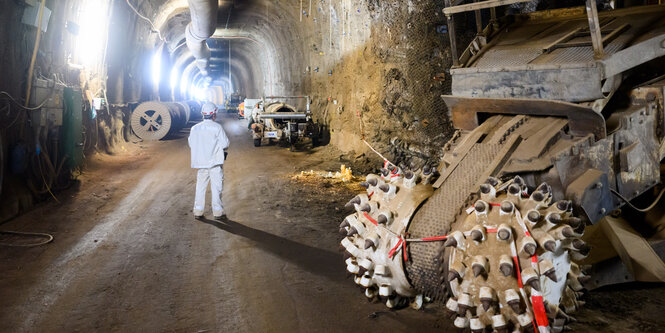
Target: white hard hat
208,109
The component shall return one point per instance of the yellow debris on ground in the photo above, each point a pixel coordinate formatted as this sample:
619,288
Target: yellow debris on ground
344,174
342,177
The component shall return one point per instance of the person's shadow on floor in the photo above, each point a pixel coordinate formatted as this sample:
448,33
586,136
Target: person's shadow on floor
318,261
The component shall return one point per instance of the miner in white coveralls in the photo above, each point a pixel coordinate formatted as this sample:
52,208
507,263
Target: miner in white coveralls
207,142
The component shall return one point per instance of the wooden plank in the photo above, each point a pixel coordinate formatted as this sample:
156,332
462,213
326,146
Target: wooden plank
453,38
563,39
479,5
479,20
594,28
572,44
615,33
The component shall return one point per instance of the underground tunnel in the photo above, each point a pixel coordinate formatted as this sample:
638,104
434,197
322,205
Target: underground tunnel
332,165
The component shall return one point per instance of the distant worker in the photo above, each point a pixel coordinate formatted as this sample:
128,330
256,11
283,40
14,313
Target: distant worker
241,110
207,142
251,120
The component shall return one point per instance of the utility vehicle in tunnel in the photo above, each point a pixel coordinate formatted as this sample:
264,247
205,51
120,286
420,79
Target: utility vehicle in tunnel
232,102
281,122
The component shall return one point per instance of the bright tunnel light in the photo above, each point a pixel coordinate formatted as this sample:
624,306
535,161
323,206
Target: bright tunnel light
156,66
174,78
183,84
93,24
198,93
201,94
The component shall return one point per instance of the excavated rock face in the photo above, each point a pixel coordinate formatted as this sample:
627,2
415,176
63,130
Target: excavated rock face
511,261
373,232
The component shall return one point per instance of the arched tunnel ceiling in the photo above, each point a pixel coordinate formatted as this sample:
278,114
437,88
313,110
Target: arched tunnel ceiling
266,50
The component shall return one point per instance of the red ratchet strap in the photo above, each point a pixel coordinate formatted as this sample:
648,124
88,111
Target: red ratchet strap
518,270
537,301
539,313
491,204
539,310
400,245
434,239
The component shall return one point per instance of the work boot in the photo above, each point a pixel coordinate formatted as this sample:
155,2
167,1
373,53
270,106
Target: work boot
199,217
221,217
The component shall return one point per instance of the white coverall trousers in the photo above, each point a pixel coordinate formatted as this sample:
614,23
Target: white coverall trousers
214,176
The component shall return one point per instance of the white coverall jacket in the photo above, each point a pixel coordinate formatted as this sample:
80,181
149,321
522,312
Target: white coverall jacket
207,141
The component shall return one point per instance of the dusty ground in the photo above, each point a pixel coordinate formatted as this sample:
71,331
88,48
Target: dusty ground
128,256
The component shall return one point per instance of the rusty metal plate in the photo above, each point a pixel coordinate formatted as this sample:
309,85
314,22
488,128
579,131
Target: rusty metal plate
582,120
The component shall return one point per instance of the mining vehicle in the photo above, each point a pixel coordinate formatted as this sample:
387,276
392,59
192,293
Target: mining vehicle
252,104
232,102
544,190
277,120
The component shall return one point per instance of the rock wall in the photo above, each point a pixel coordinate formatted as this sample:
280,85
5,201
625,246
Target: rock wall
382,64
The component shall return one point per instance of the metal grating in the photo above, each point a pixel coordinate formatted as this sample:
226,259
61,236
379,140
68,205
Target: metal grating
523,44
507,57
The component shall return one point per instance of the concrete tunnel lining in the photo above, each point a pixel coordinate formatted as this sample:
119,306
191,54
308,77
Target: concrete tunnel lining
261,33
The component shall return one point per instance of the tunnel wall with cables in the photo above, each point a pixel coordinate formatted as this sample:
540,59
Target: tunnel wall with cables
380,63
103,70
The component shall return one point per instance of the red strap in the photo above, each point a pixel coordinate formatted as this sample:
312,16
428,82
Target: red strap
404,251
491,204
433,239
539,311
370,195
519,272
401,244
491,231
370,219
394,249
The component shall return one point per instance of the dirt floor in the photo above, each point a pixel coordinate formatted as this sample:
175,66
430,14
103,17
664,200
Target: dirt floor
128,256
